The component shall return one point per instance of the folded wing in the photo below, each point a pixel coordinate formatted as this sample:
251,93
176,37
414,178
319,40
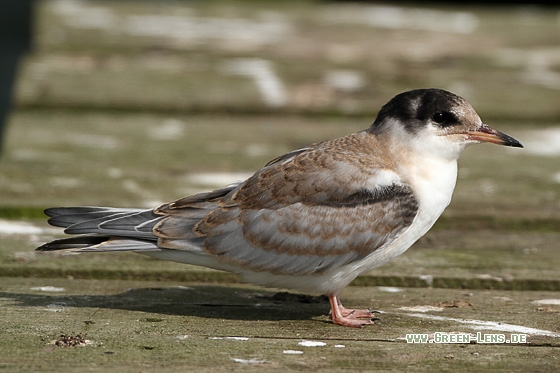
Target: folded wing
304,213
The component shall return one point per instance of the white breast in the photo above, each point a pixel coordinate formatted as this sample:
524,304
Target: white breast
433,184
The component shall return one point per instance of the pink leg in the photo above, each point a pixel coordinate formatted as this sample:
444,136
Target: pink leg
343,316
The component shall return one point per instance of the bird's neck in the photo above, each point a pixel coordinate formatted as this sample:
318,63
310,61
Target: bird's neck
434,180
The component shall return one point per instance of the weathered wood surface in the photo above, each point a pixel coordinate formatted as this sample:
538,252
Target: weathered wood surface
137,103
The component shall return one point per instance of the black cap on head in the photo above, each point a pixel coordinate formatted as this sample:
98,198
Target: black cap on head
414,107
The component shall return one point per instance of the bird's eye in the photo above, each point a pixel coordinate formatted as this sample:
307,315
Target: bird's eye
445,118
439,117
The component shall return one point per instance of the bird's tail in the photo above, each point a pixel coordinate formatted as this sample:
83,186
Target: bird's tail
103,229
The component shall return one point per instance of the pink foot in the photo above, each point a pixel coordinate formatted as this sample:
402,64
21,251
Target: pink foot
357,314
343,316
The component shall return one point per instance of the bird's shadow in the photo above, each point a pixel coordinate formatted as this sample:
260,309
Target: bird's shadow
235,303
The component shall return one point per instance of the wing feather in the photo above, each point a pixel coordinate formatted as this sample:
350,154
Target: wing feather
302,239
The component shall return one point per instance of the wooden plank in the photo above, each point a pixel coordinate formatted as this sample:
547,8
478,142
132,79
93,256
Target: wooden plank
171,326
305,57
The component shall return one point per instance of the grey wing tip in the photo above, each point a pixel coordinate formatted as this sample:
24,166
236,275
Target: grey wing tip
79,242
57,211
53,211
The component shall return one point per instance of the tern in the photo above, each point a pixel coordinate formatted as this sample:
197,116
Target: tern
313,219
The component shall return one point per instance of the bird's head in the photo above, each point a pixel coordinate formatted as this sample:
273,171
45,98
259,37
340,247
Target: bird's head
435,121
